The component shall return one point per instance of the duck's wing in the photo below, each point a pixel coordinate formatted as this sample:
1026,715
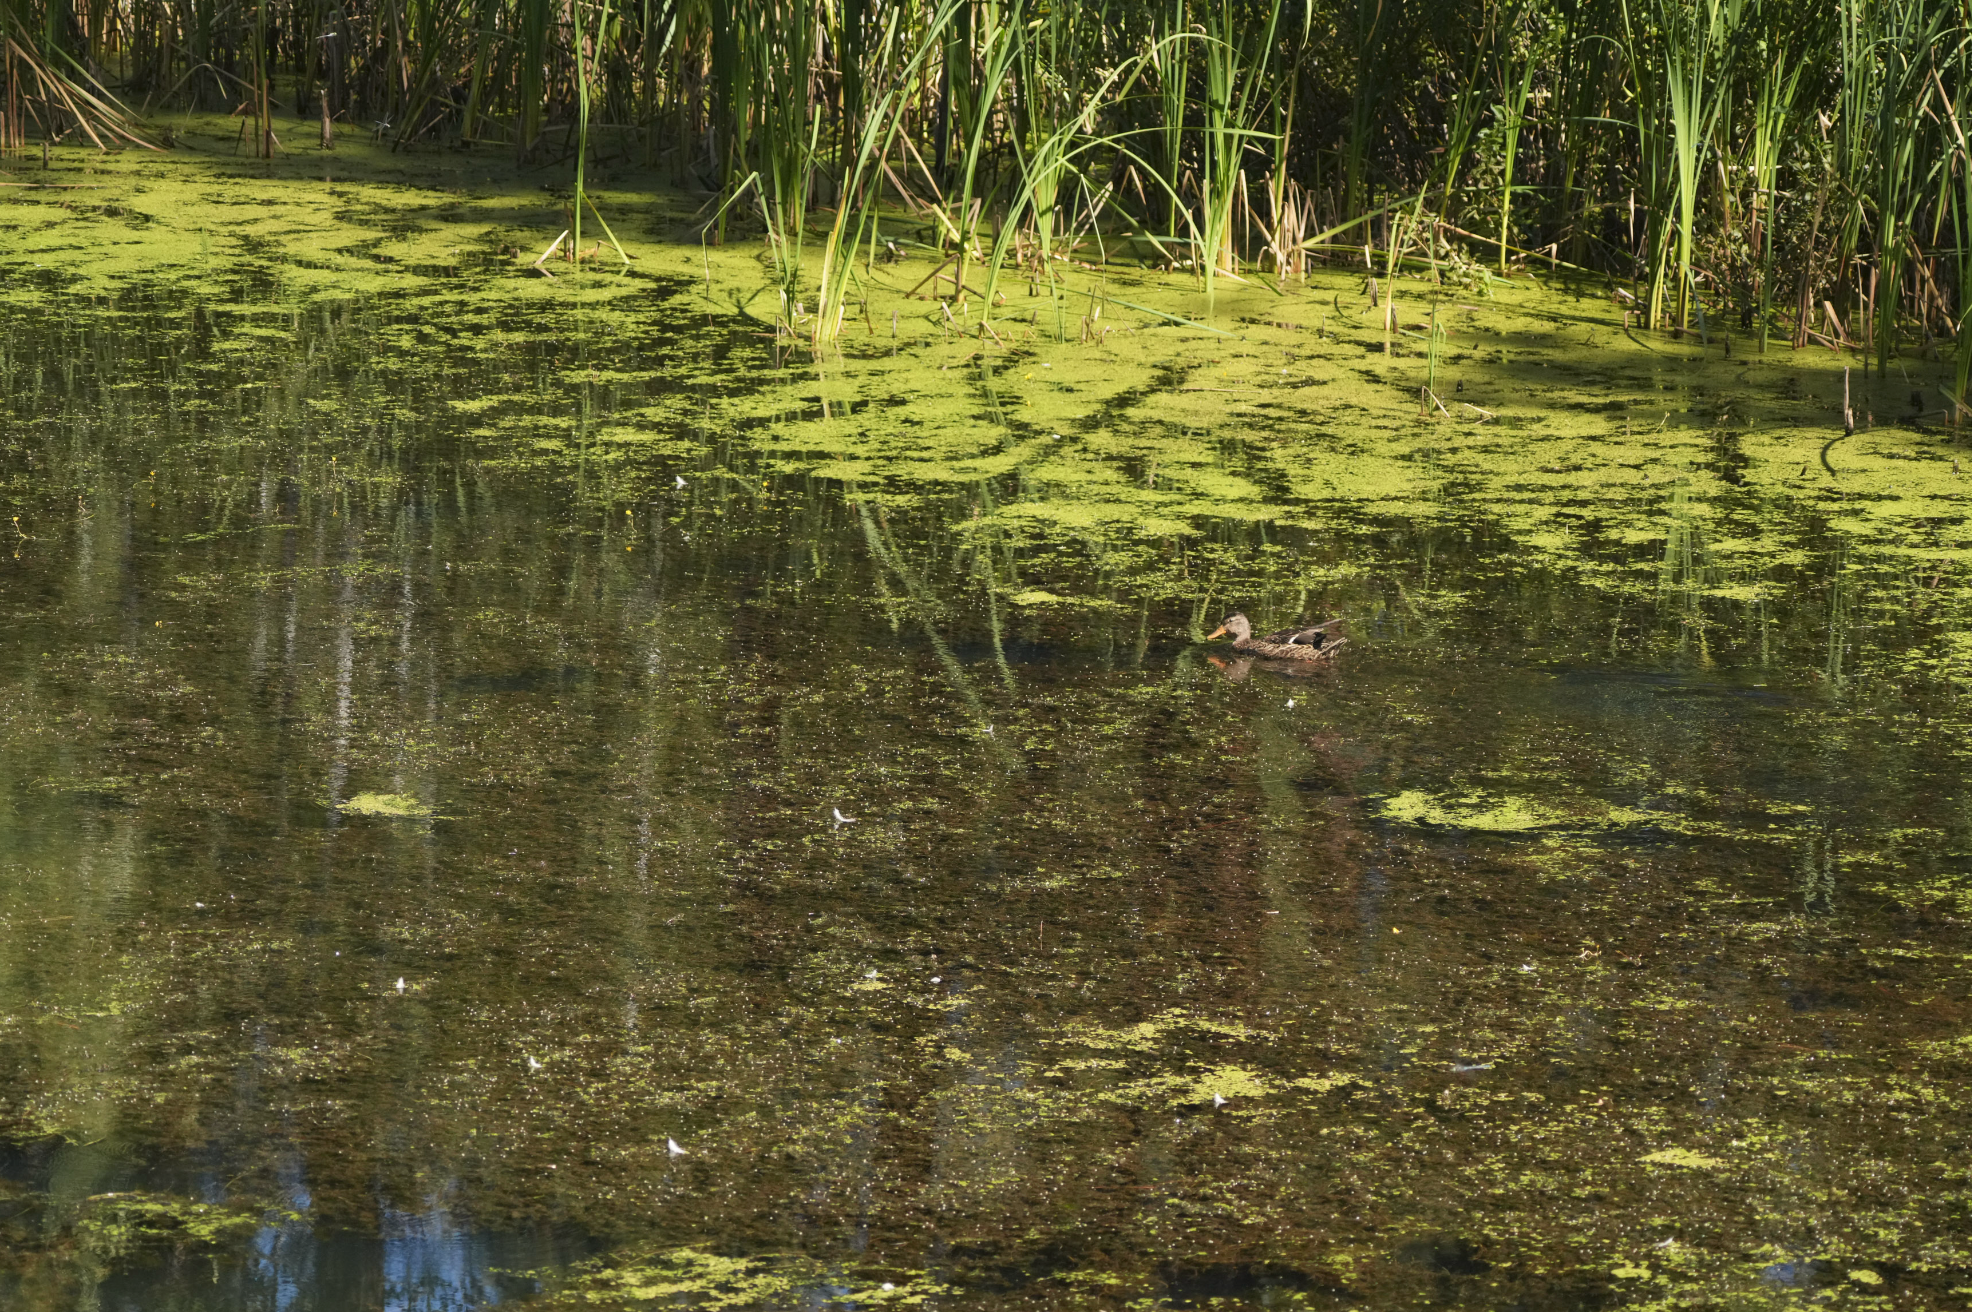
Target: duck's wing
1282,655
1316,636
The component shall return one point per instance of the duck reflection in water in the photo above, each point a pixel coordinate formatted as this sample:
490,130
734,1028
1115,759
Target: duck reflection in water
1234,669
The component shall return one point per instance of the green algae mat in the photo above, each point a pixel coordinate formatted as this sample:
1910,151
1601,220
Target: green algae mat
535,787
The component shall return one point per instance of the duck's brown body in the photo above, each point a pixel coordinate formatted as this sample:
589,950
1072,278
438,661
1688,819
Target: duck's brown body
1318,643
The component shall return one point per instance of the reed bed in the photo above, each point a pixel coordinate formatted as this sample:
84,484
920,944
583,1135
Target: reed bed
1784,170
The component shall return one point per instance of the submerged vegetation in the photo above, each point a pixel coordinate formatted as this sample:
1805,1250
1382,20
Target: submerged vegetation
1788,168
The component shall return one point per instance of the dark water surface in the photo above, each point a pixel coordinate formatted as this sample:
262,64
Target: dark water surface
421,884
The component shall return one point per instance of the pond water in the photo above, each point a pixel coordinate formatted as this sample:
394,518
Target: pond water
540,791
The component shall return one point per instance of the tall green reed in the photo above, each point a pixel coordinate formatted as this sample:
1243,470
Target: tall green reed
1680,55
1772,123
1237,58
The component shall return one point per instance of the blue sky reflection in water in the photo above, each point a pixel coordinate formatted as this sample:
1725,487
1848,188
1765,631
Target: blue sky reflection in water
419,1263
420,884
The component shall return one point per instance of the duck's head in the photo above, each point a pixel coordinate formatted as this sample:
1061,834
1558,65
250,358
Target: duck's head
1236,625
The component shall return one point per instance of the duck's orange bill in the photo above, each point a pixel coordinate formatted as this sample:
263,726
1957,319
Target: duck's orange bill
1215,633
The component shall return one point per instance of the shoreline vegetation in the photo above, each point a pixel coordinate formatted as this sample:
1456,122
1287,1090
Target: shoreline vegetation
1760,169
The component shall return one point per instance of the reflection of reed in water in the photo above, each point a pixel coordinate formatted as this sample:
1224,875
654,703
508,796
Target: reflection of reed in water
1840,617
1686,571
1818,869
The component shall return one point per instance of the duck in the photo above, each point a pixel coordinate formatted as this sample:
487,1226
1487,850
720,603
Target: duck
1316,643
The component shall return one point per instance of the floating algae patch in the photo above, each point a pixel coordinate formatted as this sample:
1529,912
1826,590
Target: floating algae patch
121,1230
1477,811
1685,1157
119,1225
1501,814
1590,448
1206,1089
693,1278
393,805
1042,597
